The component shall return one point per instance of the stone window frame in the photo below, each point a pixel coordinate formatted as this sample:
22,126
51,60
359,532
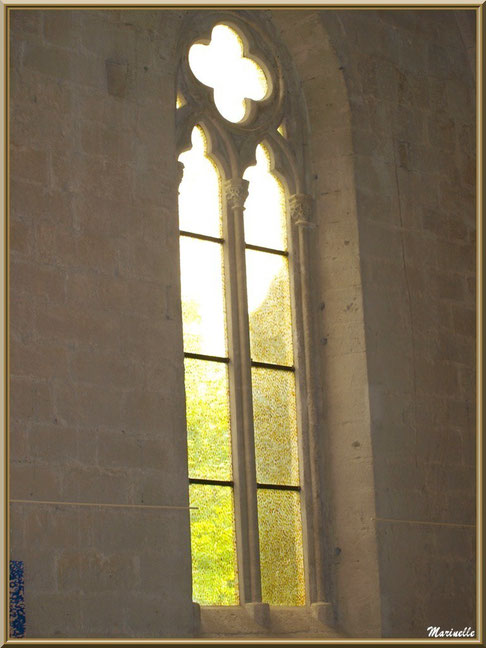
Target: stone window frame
231,146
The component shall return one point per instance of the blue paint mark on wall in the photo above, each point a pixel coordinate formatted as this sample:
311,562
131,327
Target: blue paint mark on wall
17,607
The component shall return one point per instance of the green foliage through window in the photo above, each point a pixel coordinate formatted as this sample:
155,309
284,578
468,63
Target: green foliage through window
213,546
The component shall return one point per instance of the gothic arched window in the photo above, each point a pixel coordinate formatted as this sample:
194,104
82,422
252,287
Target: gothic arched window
249,410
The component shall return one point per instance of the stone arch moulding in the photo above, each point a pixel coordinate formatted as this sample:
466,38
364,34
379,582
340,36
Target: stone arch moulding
346,489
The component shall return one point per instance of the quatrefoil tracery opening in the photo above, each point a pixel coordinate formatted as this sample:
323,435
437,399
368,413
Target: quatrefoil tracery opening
235,78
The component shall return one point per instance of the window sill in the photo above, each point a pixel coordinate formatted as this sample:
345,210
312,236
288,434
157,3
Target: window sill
240,622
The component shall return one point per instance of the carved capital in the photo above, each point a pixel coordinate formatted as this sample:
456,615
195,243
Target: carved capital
179,172
236,191
301,210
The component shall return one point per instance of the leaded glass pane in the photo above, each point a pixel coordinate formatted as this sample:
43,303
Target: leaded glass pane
269,307
199,190
208,420
281,552
203,312
275,427
214,571
264,215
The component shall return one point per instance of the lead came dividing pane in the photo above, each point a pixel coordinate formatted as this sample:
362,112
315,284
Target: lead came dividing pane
200,189
214,574
281,553
203,314
275,427
208,420
269,307
264,215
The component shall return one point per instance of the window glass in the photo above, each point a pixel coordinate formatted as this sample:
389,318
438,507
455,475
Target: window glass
208,419
220,417
200,189
202,289
281,553
264,215
214,571
222,66
213,543
267,277
275,426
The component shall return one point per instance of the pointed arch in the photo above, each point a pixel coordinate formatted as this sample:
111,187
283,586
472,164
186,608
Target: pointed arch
235,146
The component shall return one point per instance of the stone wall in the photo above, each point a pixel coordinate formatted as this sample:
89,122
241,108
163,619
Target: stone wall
411,91
412,97
97,405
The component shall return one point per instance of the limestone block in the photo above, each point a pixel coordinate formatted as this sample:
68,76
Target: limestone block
259,612
30,397
29,164
102,368
91,484
59,28
59,322
34,203
87,405
25,21
54,614
40,483
116,77
21,237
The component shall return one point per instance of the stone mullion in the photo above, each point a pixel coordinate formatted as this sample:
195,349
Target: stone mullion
301,208
244,454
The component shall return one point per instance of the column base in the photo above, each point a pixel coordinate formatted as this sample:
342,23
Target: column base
259,612
323,612
196,618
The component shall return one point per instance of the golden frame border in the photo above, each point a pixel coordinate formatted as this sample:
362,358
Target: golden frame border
478,7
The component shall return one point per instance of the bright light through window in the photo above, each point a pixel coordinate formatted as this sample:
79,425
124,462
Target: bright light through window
265,225
265,206
213,548
201,264
199,191
222,66
207,359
